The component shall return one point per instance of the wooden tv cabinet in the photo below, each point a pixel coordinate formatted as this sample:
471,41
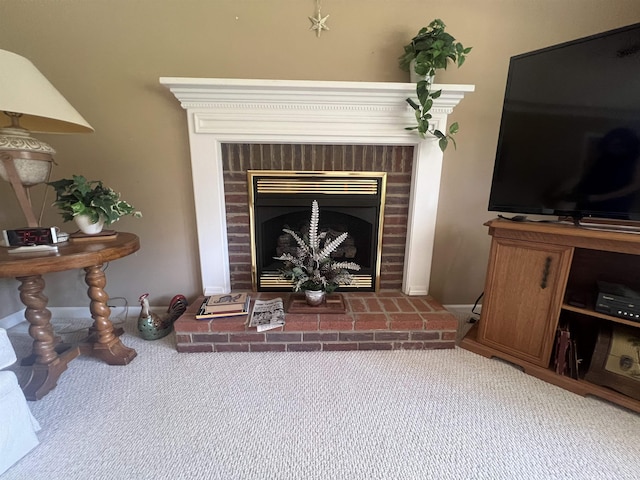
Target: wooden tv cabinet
543,275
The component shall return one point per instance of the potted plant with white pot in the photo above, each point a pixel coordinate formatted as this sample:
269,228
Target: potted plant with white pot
430,50
89,203
312,269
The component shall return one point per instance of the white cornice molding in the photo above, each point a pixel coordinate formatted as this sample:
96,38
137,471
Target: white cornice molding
319,108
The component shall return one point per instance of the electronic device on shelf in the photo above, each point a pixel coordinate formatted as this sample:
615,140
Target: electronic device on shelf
618,301
569,142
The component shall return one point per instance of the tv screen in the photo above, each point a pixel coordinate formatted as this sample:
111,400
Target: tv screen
569,142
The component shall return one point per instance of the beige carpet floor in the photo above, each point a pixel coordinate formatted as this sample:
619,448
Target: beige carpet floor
446,414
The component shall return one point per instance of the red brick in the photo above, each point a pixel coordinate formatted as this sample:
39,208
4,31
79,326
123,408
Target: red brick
210,338
335,324
370,317
373,305
241,258
406,321
356,304
340,347
395,230
377,323
228,325
183,338
425,336
388,269
303,317
421,304
359,294
375,346
405,305
356,336
246,337
437,306
284,337
300,325
191,348
231,347
188,324
392,259
395,219
320,337
409,346
441,321
304,347
267,347
449,335
389,305
390,294
439,345
391,336
393,283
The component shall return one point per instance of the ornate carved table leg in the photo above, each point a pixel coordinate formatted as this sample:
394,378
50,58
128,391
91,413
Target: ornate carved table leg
48,365
105,345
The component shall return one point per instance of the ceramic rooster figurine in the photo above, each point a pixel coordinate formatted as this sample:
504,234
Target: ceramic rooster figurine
153,326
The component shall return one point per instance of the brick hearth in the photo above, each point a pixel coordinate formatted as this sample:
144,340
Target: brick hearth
386,320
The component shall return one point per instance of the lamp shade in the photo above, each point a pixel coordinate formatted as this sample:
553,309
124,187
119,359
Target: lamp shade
24,90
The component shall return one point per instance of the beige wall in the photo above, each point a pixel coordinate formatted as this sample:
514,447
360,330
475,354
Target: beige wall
106,57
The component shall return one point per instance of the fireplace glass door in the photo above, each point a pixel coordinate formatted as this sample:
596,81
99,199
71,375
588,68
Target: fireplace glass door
351,202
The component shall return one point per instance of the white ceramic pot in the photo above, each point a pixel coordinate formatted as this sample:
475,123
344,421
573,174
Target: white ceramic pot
314,297
86,226
414,77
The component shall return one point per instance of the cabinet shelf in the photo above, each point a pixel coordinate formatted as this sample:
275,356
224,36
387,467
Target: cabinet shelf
533,268
592,313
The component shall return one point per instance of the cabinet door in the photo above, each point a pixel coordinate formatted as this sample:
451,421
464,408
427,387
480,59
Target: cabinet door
523,296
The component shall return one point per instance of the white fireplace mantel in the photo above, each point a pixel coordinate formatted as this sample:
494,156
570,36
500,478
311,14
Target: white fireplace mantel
310,112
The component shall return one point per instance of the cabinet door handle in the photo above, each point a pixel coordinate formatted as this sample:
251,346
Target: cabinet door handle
545,272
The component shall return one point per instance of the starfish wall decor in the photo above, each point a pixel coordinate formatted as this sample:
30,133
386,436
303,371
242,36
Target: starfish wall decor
318,23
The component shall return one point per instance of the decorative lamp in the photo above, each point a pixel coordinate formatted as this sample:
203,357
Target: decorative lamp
29,103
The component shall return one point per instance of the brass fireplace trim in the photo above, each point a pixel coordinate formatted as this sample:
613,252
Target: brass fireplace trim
328,186
338,182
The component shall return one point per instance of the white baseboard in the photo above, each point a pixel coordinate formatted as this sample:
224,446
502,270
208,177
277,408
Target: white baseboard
465,312
12,320
71,313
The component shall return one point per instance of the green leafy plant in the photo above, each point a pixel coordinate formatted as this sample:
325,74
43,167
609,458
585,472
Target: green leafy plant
312,268
78,196
432,49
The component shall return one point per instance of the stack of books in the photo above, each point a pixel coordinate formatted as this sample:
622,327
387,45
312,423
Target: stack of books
225,305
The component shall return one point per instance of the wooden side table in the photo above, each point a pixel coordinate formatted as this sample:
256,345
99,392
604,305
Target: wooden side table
103,342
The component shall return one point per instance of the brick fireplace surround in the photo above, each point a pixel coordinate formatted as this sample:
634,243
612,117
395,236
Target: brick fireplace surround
235,125
395,160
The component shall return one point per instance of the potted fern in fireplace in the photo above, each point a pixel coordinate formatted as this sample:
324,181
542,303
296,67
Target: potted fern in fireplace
312,269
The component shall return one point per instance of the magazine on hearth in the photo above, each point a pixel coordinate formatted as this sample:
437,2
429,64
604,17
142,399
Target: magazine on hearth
203,314
267,314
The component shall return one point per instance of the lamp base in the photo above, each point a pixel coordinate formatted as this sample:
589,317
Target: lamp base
31,157
24,162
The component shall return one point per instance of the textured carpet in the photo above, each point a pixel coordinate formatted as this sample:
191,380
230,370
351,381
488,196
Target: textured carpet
446,414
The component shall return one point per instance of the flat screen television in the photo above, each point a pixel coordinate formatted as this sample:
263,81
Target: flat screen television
569,142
